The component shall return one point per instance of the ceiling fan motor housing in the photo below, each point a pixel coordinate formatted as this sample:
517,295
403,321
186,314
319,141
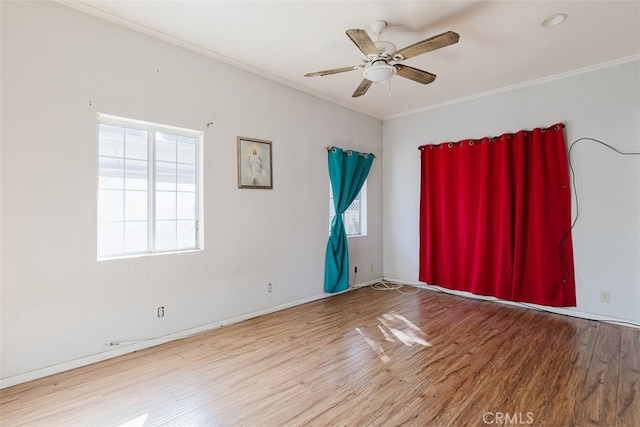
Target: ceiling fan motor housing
386,48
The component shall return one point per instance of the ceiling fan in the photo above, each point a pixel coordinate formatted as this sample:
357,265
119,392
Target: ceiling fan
382,59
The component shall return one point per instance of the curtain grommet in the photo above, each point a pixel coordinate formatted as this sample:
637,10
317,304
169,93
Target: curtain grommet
471,143
431,147
450,145
349,153
333,150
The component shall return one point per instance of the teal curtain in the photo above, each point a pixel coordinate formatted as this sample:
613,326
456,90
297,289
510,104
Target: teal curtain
348,170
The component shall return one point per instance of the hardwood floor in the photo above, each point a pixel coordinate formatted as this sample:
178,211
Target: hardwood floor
364,358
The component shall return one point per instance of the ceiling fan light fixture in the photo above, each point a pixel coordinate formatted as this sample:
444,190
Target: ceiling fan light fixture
379,73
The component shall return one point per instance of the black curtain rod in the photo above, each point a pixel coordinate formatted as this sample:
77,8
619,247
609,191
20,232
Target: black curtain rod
351,151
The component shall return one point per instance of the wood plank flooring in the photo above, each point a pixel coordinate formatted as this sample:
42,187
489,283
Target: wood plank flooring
364,358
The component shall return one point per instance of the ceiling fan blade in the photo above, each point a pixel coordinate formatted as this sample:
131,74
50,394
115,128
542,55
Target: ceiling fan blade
414,74
427,45
361,39
332,71
362,89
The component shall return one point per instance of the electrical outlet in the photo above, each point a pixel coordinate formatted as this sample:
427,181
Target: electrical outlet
270,288
161,311
356,269
605,297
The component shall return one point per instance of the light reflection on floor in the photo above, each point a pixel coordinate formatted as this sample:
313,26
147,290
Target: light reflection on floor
395,325
136,422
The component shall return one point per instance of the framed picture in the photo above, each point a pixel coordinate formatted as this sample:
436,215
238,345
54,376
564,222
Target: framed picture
255,168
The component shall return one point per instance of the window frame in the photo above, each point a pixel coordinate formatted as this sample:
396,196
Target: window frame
151,189
362,210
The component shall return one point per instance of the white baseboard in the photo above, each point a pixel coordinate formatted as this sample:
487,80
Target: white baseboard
367,283
122,347
555,310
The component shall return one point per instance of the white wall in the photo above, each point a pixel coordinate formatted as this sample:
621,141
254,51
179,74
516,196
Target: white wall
59,305
602,103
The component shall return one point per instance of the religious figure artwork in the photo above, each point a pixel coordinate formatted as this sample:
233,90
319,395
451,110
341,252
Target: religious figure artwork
254,163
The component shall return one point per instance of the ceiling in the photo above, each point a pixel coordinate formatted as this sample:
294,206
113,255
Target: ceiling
502,43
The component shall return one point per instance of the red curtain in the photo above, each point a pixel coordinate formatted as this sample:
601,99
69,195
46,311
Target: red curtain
495,217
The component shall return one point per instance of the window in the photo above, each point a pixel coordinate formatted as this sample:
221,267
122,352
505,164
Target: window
355,217
149,194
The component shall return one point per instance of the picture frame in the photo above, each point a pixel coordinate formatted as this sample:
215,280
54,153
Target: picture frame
255,163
